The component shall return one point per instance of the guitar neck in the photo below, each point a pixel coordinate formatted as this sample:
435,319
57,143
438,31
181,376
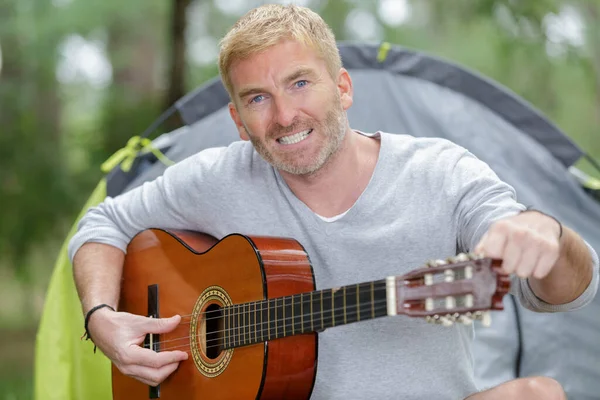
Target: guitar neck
259,321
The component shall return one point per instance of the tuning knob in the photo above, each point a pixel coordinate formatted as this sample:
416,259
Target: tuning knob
462,257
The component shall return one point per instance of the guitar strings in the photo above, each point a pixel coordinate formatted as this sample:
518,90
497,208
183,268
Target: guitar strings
327,318
269,305
294,297
238,336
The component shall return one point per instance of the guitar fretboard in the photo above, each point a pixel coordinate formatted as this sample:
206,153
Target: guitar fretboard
259,321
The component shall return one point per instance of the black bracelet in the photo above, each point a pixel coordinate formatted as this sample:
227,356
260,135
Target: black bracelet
87,320
547,215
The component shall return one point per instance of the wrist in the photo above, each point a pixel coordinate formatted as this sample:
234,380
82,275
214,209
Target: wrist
95,311
559,224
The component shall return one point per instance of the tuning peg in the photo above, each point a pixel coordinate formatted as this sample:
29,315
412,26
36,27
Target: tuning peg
486,319
449,275
465,320
468,271
468,300
433,319
461,257
429,304
428,279
450,302
436,263
446,321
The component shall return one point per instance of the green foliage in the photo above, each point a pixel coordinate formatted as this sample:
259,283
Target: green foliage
53,136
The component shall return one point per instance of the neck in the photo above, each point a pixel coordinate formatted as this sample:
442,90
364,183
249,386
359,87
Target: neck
259,321
337,185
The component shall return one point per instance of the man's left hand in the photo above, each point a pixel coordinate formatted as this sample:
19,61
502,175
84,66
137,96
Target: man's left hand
528,244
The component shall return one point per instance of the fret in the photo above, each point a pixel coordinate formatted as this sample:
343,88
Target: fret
345,316
312,324
327,310
372,299
298,317
339,307
278,318
366,307
322,312
229,327
301,313
232,320
307,319
272,319
283,322
358,302
332,308
244,324
260,327
251,322
293,306
351,310
225,328
265,330
237,336
380,299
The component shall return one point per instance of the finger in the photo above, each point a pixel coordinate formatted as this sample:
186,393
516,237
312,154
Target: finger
480,245
159,325
528,262
151,376
545,263
512,256
494,242
150,358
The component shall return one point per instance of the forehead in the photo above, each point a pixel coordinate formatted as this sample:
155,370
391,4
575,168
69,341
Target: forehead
273,64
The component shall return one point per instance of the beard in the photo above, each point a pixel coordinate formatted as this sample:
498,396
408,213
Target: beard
332,131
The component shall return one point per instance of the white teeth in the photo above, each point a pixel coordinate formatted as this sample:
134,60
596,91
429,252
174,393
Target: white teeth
295,138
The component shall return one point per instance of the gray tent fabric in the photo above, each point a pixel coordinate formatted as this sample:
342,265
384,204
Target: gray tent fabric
417,94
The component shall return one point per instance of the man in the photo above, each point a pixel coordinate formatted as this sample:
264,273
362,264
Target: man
364,206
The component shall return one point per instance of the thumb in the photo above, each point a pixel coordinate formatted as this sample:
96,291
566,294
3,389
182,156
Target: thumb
481,245
162,325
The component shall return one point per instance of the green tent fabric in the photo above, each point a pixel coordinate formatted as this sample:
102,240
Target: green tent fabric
66,367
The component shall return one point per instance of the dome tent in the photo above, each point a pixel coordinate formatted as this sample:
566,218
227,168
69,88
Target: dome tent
400,91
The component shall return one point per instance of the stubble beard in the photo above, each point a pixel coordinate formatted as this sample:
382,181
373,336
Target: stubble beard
334,130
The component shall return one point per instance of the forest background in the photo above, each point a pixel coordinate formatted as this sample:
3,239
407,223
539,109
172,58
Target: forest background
80,77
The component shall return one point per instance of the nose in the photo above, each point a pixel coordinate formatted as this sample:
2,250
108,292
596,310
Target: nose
284,111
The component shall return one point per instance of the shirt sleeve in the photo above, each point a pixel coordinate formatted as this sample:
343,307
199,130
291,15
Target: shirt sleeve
530,301
482,199
166,202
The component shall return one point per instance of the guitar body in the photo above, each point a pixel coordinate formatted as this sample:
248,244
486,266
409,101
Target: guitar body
191,274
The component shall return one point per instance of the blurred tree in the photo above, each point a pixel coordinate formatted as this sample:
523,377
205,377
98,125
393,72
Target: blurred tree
33,178
54,134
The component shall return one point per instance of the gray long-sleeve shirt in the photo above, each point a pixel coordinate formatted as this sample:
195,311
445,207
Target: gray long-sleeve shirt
427,199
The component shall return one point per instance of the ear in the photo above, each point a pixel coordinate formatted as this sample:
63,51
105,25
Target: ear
238,122
345,88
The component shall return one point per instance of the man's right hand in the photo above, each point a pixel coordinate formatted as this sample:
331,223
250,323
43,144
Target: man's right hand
119,335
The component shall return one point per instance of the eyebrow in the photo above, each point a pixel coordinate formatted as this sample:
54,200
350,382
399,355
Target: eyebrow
300,72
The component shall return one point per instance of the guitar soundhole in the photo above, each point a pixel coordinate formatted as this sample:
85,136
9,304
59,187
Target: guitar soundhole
213,328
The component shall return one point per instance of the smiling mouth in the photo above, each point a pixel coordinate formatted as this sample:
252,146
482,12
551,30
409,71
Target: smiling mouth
295,138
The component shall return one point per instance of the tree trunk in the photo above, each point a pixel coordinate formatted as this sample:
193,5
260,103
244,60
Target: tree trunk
177,60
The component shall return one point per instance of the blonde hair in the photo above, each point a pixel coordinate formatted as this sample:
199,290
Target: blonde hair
265,26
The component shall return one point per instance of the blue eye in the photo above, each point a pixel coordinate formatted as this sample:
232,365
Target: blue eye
257,99
302,83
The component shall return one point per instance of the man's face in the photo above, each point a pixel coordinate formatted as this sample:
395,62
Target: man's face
288,105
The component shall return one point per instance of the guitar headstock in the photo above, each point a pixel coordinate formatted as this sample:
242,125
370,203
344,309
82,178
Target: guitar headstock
458,289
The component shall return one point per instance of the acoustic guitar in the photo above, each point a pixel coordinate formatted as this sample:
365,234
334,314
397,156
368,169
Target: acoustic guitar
250,311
